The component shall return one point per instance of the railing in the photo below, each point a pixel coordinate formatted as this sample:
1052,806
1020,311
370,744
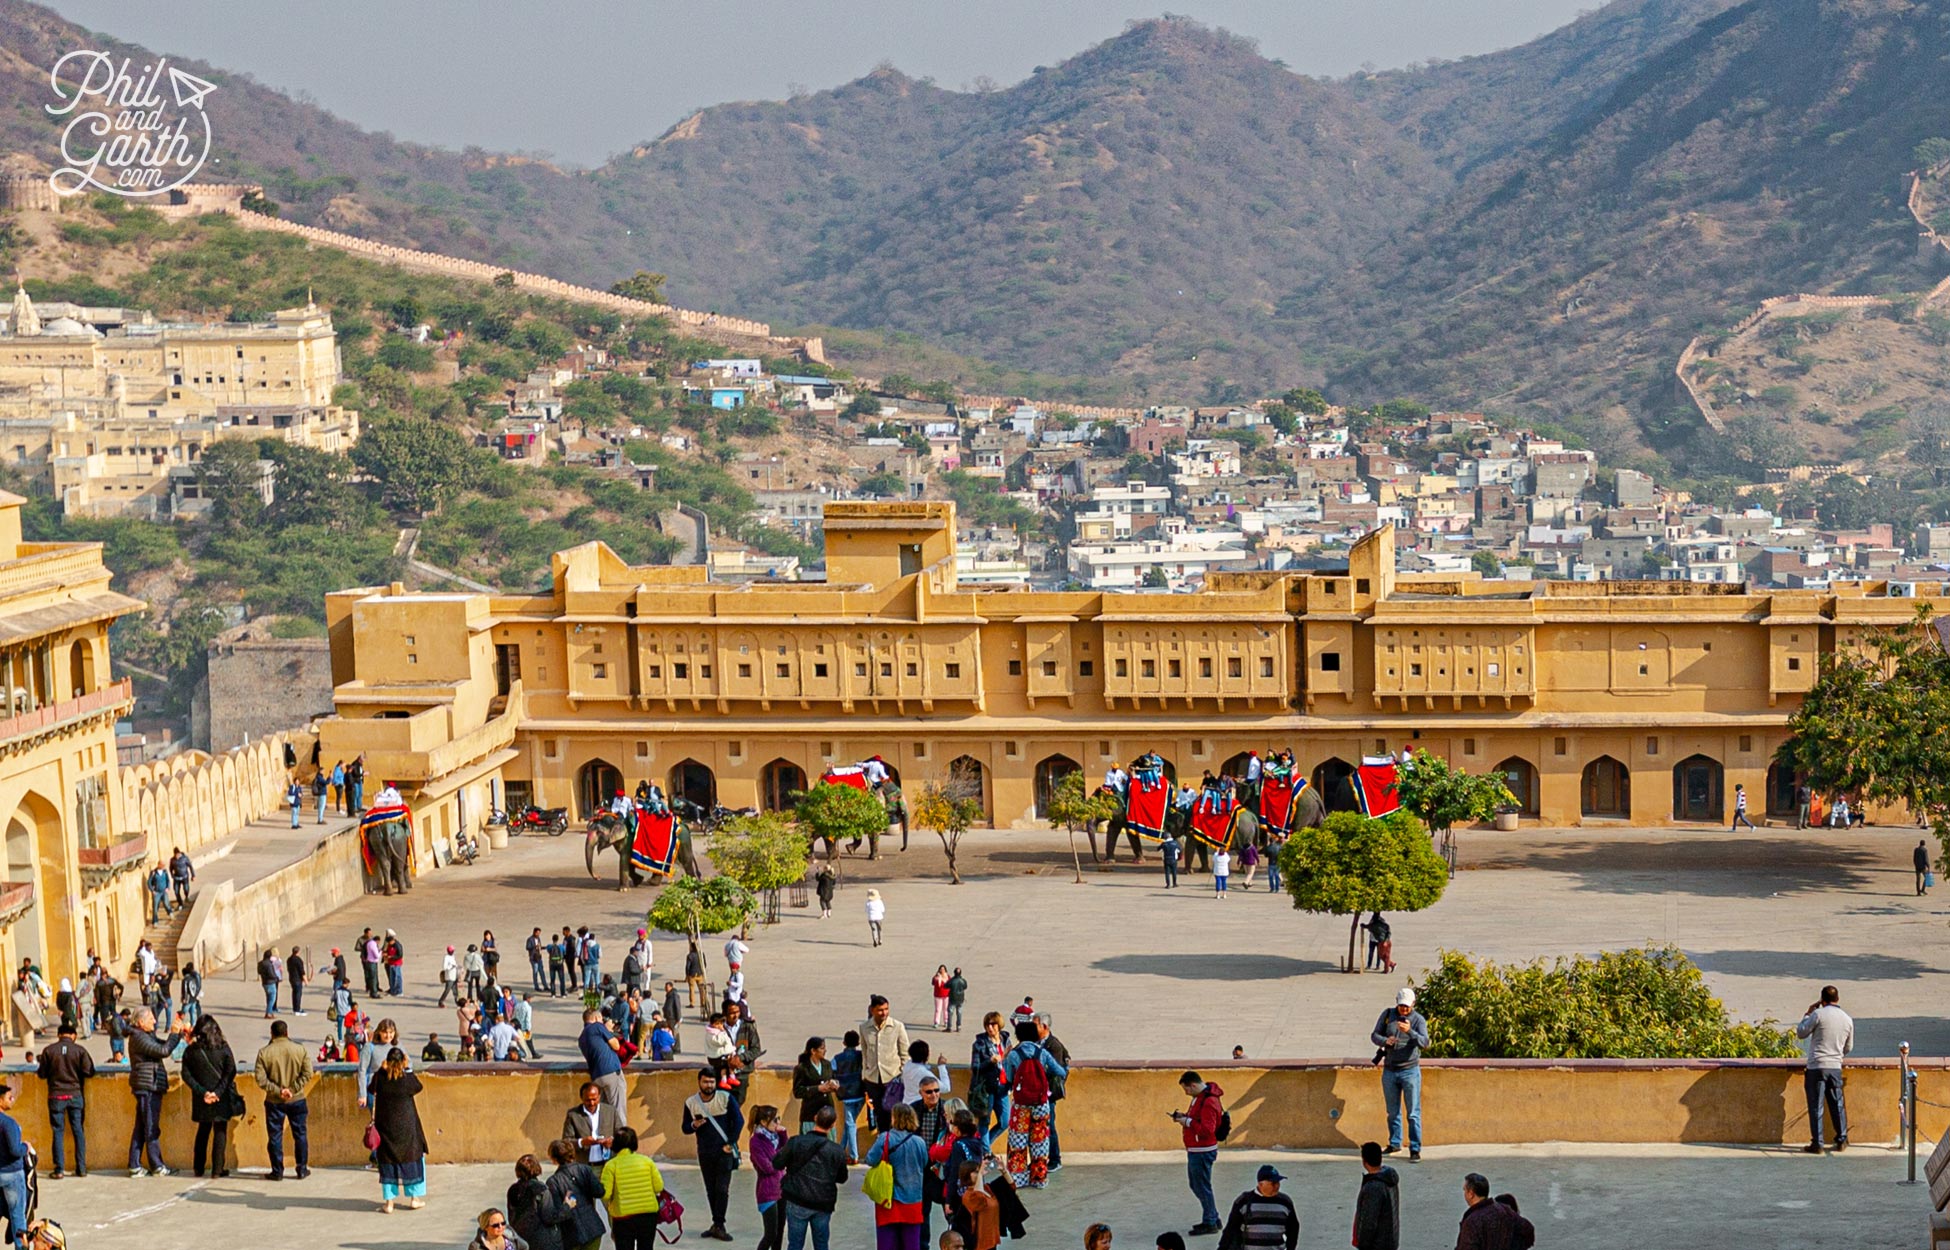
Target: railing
91,704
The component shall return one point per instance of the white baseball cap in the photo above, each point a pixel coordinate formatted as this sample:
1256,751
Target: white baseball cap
1406,998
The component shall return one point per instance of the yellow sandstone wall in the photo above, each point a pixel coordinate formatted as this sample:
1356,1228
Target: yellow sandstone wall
494,1115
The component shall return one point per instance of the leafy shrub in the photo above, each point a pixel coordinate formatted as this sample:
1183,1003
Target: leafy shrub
1643,1003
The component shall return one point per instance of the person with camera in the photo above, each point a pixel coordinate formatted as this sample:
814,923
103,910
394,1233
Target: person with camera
713,1116
1401,1033
1200,1126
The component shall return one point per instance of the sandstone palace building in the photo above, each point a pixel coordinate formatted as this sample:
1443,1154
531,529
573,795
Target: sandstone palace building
1634,702
111,408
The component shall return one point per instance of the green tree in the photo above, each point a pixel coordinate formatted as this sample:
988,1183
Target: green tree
1443,797
1076,804
1872,725
694,906
1352,864
643,285
762,852
1644,1003
1932,152
228,475
1155,578
832,812
1305,399
862,406
1486,563
418,463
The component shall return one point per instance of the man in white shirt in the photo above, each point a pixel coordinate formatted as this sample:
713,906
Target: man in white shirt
620,805
875,771
735,951
449,978
1117,779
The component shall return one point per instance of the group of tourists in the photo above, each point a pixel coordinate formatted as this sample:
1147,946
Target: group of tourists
340,788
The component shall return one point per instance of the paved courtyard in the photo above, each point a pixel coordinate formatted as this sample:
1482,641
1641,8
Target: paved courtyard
1132,970
1580,1198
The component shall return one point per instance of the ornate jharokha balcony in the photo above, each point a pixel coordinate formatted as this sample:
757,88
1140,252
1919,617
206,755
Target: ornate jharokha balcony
15,898
28,728
99,863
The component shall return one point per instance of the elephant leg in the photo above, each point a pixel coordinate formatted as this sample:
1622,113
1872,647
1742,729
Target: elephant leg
622,865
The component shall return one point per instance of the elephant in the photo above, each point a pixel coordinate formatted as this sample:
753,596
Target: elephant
391,846
609,832
889,794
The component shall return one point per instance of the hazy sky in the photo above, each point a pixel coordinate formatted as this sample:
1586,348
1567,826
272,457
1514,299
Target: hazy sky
582,80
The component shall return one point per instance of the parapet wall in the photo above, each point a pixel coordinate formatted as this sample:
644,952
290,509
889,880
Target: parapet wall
496,1113
192,800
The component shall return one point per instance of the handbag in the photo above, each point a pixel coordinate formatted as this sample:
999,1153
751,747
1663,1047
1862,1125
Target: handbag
879,1184
1929,878
670,1211
372,1136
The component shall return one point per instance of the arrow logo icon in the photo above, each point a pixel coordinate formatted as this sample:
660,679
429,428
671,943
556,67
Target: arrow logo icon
189,89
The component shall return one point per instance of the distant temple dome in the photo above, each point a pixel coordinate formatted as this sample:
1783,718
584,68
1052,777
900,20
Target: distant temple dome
68,325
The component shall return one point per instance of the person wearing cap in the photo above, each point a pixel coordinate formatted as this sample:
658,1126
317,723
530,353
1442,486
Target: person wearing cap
1262,1217
1401,1032
450,977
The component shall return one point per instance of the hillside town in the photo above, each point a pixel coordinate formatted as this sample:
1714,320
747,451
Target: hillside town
1155,499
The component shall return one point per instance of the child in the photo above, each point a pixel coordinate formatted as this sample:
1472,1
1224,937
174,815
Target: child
984,1214
1221,867
433,1051
663,1043
718,1050
328,1052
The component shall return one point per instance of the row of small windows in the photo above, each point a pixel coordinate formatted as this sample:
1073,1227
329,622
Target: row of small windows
1235,667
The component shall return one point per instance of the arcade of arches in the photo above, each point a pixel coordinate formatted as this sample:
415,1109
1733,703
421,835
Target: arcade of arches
1556,779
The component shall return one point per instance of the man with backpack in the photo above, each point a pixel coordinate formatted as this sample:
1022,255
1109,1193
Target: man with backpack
1031,1074
883,1052
1204,1125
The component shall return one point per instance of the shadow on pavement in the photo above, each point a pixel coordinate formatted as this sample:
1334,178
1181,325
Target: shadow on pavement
284,1195
1876,1037
1715,868
1815,966
1213,967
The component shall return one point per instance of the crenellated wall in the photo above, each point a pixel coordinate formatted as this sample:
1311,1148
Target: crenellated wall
193,800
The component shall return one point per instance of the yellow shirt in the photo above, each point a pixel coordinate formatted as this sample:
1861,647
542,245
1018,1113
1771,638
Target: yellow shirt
631,1184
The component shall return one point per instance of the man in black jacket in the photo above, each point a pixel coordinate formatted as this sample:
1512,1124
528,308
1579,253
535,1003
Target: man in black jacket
1486,1225
148,1080
1378,1208
815,1168
64,1068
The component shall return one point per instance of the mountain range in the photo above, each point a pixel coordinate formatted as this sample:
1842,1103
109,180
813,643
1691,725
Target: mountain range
1539,230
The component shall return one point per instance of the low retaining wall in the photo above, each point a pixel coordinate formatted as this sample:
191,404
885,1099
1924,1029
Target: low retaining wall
229,922
495,1114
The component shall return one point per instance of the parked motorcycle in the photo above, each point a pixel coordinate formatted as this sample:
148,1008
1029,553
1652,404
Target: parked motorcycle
532,819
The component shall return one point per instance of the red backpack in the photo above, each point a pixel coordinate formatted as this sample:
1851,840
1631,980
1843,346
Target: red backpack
1031,1085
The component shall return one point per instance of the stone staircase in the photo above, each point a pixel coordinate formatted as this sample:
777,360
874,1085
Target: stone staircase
162,938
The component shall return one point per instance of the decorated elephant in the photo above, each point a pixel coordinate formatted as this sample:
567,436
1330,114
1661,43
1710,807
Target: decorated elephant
388,854
611,832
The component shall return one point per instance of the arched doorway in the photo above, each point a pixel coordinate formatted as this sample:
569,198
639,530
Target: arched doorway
35,829
1607,788
20,867
1783,786
1697,785
970,780
1520,775
778,782
596,784
1236,765
694,783
1334,781
81,667
1048,774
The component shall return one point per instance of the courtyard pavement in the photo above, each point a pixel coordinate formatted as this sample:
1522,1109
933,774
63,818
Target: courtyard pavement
1131,970
1580,1198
